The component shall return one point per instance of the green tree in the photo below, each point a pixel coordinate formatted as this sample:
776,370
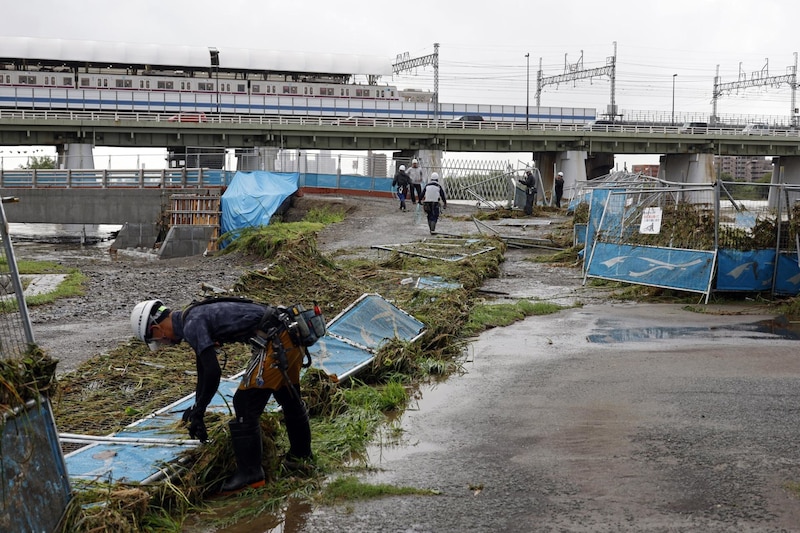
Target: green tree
38,163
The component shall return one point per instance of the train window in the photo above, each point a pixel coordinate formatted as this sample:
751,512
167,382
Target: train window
240,88
120,83
99,82
85,82
141,84
170,85
383,94
188,86
183,86
46,80
228,87
67,81
105,82
147,84
256,88
305,90
161,84
366,92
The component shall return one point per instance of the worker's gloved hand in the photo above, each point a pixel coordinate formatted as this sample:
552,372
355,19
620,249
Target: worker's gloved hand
187,414
197,428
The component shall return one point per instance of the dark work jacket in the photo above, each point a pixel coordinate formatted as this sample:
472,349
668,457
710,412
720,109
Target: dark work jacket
207,325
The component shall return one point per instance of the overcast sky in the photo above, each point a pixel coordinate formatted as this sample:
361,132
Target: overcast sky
482,44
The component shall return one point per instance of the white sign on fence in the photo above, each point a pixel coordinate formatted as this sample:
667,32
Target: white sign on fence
651,221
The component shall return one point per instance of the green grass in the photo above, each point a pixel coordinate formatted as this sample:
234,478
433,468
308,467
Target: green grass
483,317
73,285
349,488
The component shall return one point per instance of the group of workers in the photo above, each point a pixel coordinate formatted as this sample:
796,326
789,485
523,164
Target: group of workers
429,195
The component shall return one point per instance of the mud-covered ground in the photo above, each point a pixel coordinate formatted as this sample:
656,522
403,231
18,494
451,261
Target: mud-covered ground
603,417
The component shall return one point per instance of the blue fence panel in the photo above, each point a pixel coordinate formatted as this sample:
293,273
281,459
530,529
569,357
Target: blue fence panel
787,278
688,270
745,270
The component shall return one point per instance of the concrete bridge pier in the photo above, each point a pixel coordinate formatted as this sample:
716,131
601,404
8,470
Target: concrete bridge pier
572,163
258,158
75,156
689,169
786,170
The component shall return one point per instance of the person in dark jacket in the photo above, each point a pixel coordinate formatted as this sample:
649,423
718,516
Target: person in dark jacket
402,182
529,181
209,324
559,187
432,195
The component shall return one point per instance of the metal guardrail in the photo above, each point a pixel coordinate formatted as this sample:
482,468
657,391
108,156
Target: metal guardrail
114,179
210,120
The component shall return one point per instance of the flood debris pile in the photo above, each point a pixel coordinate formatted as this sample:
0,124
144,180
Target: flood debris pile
118,388
25,378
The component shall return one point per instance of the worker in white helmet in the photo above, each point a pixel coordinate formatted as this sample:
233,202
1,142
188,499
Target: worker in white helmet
559,188
432,196
415,175
401,183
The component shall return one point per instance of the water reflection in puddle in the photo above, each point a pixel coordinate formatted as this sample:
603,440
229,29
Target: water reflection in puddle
764,329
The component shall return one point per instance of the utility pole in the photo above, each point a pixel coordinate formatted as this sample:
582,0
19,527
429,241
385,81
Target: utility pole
673,98
527,90
404,63
575,71
214,53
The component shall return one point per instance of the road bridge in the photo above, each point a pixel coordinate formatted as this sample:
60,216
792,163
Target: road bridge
143,130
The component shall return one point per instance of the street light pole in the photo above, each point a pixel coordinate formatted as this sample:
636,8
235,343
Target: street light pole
527,89
673,98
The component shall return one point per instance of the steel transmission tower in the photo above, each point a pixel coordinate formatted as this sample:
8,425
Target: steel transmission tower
575,71
404,63
758,79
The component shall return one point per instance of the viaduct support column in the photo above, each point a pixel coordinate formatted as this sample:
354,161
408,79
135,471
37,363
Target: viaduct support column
689,169
784,170
75,156
572,163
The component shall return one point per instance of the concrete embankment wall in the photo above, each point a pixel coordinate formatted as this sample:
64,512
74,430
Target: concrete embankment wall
86,206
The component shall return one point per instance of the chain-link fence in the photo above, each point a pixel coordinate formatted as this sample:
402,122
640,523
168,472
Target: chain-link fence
15,328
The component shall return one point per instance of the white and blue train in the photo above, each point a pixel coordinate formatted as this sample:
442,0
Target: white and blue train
56,75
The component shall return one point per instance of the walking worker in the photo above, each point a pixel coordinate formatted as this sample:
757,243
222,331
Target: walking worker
415,173
211,323
529,181
432,195
559,186
401,181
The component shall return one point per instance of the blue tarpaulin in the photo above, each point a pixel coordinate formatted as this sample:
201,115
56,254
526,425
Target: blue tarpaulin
253,197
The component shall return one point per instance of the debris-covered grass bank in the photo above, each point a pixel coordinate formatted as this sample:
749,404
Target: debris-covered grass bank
113,390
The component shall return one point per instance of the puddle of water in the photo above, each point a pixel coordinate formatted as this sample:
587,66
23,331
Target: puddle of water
764,329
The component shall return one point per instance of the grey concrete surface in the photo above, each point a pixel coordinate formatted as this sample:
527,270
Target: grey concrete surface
625,417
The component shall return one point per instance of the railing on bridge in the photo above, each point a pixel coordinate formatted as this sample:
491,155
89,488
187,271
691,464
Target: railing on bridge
135,178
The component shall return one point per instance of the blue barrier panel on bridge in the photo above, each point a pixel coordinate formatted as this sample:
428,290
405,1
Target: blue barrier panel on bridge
688,270
143,451
749,270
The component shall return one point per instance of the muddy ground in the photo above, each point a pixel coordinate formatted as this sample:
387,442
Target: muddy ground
606,416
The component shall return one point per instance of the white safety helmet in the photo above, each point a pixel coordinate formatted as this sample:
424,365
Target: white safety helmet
143,316
561,174
402,168
434,176
414,161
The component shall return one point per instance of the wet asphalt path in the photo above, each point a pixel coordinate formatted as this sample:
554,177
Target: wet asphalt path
604,418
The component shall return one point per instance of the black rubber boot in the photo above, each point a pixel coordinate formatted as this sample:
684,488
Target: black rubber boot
298,430
432,225
246,441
